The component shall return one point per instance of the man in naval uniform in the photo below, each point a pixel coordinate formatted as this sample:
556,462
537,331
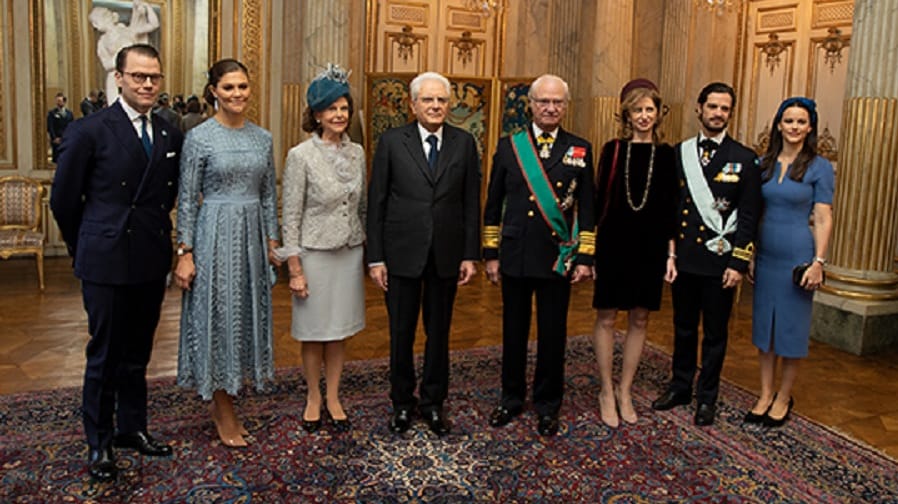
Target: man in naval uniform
543,179
720,205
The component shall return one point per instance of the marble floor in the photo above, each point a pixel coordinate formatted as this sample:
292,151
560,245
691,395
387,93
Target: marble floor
42,338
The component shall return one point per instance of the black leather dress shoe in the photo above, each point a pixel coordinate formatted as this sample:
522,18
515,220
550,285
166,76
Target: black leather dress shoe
501,416
547,425
401,421
704,414
144,443
769,421
670,399
437,422
101,464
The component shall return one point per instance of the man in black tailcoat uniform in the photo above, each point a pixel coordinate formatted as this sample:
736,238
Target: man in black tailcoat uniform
423,241
720,205
115,185
542,179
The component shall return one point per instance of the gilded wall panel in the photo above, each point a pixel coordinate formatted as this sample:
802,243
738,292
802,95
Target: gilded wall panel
405,51
465,20
832,14
772,82
408,13
776,20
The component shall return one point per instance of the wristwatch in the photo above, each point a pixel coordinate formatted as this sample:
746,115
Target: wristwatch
820,260
184,251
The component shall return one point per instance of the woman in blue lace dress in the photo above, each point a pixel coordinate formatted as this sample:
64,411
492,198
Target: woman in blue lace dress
797,184
227,230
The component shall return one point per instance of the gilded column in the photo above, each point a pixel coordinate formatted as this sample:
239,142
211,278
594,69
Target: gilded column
610,60
857,308
674,64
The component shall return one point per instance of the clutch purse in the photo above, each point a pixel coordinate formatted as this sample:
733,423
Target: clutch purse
798,273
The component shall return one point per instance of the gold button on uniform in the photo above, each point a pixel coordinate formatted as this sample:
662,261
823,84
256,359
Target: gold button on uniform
558,184
698,240
682,236
529,213
684,223
532,198
685,212
701,228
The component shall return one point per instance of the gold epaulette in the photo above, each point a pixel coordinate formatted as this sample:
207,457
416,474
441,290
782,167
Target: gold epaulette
587,243
491,237
744,253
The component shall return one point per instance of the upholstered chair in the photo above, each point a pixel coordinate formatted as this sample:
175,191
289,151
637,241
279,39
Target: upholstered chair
20,220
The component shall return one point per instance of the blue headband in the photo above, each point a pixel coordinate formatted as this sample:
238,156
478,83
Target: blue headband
805,103
327,87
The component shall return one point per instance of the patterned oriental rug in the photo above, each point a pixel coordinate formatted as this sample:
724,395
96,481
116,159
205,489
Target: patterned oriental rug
663,458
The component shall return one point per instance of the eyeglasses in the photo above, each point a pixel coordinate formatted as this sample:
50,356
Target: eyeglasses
545,102
140,77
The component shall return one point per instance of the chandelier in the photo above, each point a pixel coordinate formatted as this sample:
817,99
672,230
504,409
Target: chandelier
486,8
716,6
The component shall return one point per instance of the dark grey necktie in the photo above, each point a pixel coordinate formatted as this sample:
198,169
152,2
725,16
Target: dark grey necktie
432,155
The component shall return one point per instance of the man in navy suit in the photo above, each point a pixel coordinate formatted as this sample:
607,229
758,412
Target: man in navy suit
423,238
115,184
540,201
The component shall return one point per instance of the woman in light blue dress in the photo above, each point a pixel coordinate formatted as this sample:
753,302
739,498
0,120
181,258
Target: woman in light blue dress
227,230
797,185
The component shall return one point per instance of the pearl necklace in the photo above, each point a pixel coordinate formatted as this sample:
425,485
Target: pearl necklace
648,180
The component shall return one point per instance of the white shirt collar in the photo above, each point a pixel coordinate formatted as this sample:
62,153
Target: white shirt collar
134,115
425,133
537,131
718,139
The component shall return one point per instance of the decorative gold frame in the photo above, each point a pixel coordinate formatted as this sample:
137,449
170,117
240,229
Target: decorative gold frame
7,62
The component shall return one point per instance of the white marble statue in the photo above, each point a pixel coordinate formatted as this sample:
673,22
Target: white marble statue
116,35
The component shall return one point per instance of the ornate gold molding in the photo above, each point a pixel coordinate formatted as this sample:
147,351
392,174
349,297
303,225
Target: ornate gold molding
251,33
7,88
38,78
214,30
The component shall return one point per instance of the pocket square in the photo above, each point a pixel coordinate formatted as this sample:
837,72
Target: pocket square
170,154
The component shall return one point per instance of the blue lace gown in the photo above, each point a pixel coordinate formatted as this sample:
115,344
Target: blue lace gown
781,311
227,211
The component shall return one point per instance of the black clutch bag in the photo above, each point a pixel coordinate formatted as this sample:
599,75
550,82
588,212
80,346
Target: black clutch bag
798,273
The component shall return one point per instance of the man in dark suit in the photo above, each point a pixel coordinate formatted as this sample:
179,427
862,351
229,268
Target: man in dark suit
58,119
423,237
114,187
543,179
720,204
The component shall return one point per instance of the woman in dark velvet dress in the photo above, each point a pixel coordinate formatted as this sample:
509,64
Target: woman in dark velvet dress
636,205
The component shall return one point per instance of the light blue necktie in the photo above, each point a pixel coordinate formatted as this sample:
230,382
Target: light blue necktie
432,155
145,137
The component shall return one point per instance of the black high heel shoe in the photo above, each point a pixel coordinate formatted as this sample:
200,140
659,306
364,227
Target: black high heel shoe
755,418
340,424
769,421
311,426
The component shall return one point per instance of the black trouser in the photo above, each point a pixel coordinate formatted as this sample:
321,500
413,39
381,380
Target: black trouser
552,299
122,320
702,296
404,300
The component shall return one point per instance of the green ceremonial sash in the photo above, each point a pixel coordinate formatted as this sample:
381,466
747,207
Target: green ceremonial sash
541,188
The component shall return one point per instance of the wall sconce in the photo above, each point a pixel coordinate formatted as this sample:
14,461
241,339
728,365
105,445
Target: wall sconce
486,8
833,45
773,48
465,47
407,41
716,6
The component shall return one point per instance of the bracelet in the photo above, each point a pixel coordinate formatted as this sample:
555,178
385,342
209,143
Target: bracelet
820,260
296,275
671,255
